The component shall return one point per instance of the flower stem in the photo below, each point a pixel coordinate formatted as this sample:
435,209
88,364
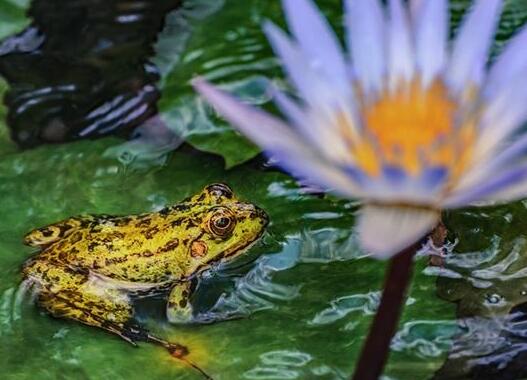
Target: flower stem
377,346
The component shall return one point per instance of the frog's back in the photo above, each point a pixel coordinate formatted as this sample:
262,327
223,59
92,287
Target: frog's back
47,235
169,245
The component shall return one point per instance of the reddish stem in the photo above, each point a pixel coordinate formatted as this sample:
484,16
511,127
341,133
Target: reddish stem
377,346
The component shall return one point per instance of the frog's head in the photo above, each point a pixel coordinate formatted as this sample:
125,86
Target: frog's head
227,226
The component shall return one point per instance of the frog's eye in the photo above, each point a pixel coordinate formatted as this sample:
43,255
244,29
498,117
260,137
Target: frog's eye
222,222
220,190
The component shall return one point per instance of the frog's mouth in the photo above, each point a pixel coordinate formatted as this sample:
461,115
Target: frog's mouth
238,251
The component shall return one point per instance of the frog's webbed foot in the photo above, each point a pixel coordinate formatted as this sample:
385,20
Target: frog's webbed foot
134,333
71,297
177,350
114,316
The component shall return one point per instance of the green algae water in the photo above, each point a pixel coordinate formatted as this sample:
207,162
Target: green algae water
299,304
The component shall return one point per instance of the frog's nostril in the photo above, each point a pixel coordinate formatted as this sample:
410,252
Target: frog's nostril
253,212
260,213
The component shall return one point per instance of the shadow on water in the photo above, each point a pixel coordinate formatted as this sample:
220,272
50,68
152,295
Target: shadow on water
82,69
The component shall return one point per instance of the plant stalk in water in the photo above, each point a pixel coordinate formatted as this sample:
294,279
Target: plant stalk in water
377,346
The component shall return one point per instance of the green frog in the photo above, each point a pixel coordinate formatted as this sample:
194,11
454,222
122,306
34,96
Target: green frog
89,268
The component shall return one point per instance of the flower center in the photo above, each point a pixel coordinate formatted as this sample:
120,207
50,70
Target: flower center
414,129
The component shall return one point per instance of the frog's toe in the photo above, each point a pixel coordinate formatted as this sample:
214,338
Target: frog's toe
180,316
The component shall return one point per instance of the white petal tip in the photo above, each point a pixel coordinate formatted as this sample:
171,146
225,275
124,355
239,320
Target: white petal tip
386,230
198,82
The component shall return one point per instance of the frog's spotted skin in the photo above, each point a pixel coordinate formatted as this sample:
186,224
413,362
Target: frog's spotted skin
89,266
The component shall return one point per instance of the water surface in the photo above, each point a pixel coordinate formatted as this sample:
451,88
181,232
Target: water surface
305,295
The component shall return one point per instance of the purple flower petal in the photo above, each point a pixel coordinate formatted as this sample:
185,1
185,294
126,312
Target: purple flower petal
471,48
279,140
311,87
431,33
507,186
400,51
320,129
365,33
414,7
291,109
316,38
505,157
511,63
503,116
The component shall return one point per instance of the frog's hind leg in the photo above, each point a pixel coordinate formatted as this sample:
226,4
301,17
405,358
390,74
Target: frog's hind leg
73,294
93,310
69,293
106,312
111,313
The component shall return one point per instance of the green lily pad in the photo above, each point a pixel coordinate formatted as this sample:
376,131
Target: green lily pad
307,262
13,16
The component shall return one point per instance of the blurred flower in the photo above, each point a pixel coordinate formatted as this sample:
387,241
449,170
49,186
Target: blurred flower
402,121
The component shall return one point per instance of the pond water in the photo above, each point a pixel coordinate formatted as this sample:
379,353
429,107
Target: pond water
305,295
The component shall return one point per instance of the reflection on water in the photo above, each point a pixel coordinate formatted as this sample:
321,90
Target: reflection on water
342,306
9,310
489,287
280,365
425,339
82,69
257,291
148,147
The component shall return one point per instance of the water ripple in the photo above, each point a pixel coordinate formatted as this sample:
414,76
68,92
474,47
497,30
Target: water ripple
11,302
339,308
256,291
279,365
425,339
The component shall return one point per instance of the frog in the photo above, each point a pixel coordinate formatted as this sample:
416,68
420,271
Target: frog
89,268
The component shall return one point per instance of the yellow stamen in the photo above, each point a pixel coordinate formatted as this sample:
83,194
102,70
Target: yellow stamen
413,127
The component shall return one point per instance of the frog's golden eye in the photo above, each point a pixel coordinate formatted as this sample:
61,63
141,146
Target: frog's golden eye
222,222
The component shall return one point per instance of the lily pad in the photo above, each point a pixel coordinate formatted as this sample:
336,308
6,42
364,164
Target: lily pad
308,259
13,16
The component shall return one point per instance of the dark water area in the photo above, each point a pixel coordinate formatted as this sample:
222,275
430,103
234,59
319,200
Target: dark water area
484,277
82,69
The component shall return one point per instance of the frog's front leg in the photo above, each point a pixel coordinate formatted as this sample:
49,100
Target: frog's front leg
179,309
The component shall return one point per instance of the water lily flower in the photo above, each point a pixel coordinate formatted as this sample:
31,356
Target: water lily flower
403,119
